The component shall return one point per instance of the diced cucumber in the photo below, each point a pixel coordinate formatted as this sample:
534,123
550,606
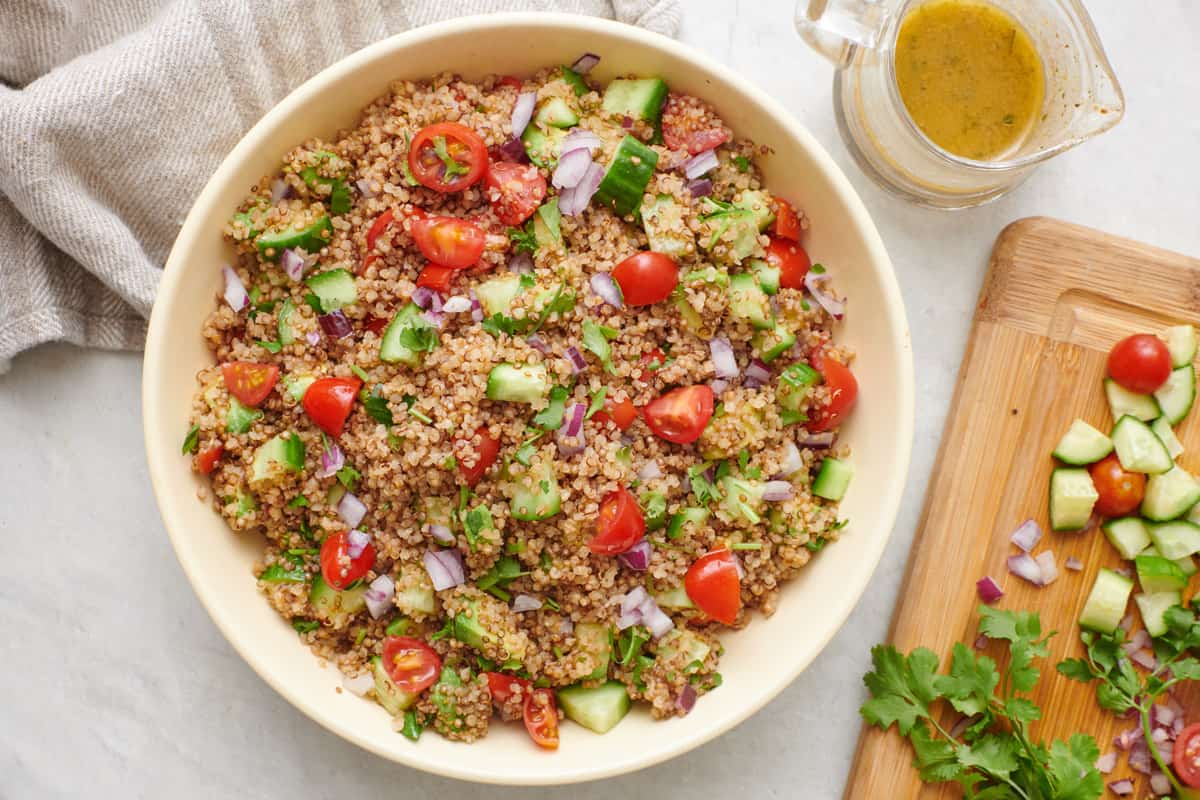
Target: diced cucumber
414,591
311,238
1082,444
333,606
693,515
547,225
543,146
598,709
834,478
1175,540
791,390
276,456
690,316
1123,402
394,699
1138,449
771,344
1153,607
595,642
239,418
742,498
640,98
683,643
732,225
757,203
1177,395
1166,434
496,296
574,80
768,276
1158,574
1128,535
525,384
555,113
334,287
676,598
666,229
297,385
284,322
535,496
1181,344
1105,605
408,324
1170,495
625,182
437,511
1186,563
1072,497
747,301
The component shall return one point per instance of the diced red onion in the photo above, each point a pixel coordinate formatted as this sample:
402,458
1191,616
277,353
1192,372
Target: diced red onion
434,318
687,699
981,642
989,590
359,684
567,627
292,263
1178,725
1125,739
1045,561
579,139
423,296
702,187
571,169
816,440
1139,758
637,558
792,461
606,289
1160,784
724,363
280,190
513,150
578,362
313,338
650,471
364,188
435,304
445,568
813,282
699,164
356,542
1122,787
1027,535
1106,762
1176,710
1073,563
476,308
235,290
1023,566
440,533
629,619
526,602
574,200
457,305
379,595
757,373
1124,571
654,619
1137,641
522,112
632,599
573,419
778,491
1145,659
537,343
1126,623
351,510
1160,735
584,64
332,460
335,324
718,386
521,263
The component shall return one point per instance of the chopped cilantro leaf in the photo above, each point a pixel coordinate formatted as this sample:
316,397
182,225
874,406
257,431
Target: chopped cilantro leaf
348,476
597,403
278,573
303,625
476,521
314,303
270,347
525,453
419,336
817,269
299,501
192,440
377,408
523,239
397,627
596,338
526,281
412,727
742,163
551,418
815,545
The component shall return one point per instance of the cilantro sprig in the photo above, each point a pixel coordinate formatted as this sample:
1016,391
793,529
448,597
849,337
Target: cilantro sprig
994,756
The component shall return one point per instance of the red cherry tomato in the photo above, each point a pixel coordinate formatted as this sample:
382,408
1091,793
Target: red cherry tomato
436,277
1120,492
651,362
619,525
790,259
514,190
646,278
787,221
250,383
379,226
683,130
338,569
510,80
843,394
411,664
486,452
328,402
503,686
447,157
449,241
680,415
1140,363
713,585
1187,755
621,413
206,460
541,718
374,324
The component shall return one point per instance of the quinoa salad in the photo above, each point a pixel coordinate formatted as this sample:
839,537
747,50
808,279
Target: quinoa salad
530,387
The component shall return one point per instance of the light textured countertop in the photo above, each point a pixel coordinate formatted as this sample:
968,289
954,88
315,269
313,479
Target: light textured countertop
116,684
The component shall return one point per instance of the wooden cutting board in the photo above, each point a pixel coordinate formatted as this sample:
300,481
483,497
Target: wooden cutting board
1055,299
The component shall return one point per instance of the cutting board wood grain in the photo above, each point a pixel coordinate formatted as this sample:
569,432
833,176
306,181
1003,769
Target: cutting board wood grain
1055,299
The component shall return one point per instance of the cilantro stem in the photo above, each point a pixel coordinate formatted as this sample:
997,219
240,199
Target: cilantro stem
1144,713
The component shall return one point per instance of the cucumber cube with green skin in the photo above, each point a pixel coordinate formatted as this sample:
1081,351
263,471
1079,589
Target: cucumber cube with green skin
487,622
595,644
275,457
334,287
496,296
676,598
543,146
414,592
297,385
768,276
556,113
598,709
394,349
625,181
1181,344
685,644
1072,498
284,322
1082,444
771,344
1137,448
1176,396
666,228
640,98
690,316
1128,535
333,606
833,479
1153,607
759,204
547,225
792,389
310,238
1166,434
1158,574
524,384
695,517
394,699
1186,563
742,499
1106,603
747,301
1177,539
535,495
1122,402
1169,495
239,418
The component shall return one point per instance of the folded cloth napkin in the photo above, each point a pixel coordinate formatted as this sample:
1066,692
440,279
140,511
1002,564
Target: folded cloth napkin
113,114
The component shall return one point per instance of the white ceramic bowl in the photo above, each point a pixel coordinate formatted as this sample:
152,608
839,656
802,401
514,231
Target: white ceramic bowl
761,660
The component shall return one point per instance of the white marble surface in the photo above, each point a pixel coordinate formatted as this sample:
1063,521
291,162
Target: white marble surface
113,681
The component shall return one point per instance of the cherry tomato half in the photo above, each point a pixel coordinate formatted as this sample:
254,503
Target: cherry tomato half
787,221
338,569
485,452
646,278
250,383
682,129
447,157
619,525
328,402
514,190
680,415
510,80
503,686
379,226
621,413
541,718
411,664
206,460
790,259
1140,363
713,585
449,241
1120,492
436,277
843,394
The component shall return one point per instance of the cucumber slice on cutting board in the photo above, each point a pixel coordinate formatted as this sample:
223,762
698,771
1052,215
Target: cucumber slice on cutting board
1166,434
1170,494
1082,444
1123,402
1072,497
1152,608
1177,395
1138,449
1105,605
1128,535
1181,344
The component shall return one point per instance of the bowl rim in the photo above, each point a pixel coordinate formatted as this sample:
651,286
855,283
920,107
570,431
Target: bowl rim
157,348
